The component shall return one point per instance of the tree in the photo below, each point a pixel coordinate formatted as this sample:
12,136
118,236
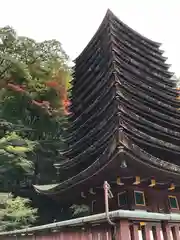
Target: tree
34,103
16,213
14,162
33,94
80,210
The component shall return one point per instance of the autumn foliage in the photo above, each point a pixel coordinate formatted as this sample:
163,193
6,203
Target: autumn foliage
34,88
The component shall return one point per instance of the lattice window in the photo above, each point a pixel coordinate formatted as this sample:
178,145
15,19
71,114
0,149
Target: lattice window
93,206
173,202
122,199
139,198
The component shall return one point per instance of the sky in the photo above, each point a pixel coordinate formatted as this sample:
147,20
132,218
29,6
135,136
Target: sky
74,22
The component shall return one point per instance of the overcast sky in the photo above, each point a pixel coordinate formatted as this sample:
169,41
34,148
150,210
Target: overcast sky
73,22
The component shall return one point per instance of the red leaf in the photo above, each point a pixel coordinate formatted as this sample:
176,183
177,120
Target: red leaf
46,103
52,84
16,88
66,103
37,103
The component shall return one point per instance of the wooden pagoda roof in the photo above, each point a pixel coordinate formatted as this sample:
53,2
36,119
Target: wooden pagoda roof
125,107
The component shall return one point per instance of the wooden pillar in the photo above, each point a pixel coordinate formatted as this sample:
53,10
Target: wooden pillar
175,232
84,236
166,231
56,236
61,236
68,236
94,233
106,235
156,230
77,235
90,236
124,231
134,232
146,232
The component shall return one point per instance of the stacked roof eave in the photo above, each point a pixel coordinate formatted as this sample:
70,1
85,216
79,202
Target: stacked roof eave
123,100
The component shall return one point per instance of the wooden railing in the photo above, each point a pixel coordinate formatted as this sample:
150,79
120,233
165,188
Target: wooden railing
130,225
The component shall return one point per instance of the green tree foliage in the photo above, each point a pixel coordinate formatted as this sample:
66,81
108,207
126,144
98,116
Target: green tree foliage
15,213
33,95
80,210
14,162
34,82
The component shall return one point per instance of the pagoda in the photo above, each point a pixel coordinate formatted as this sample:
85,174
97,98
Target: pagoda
125,126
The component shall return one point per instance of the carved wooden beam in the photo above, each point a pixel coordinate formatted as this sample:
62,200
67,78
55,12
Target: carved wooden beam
118,181
137,180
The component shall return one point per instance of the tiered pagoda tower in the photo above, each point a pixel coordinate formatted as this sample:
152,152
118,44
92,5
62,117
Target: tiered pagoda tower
125,125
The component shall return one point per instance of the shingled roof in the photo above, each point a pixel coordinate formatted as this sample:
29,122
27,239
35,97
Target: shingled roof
124,107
